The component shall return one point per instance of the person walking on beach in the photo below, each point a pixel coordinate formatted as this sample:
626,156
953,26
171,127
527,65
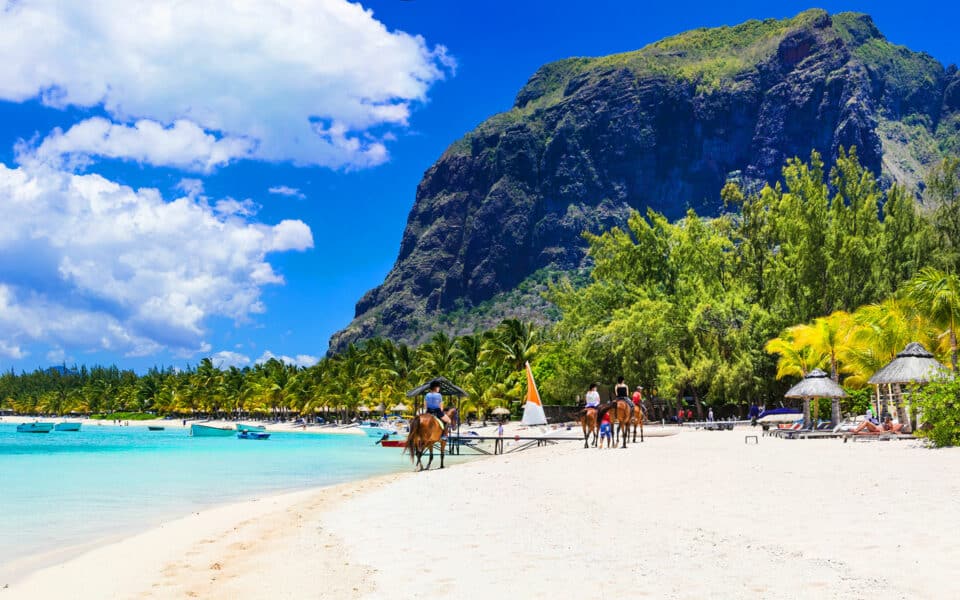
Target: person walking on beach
710,415
434,403
498,443
593,397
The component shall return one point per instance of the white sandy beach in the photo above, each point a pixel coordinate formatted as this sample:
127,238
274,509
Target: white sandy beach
696,515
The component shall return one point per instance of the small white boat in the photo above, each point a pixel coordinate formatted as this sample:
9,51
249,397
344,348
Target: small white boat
34,427
377,430
67,427
253,435
245,427
197,430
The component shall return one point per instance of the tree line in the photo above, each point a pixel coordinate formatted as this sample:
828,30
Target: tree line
824,269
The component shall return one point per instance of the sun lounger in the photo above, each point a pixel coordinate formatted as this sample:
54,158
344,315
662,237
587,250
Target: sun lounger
877,436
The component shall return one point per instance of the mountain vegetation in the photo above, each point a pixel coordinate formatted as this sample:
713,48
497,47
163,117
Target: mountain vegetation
666,127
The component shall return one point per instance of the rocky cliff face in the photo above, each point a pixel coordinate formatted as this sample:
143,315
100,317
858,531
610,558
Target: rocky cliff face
664,127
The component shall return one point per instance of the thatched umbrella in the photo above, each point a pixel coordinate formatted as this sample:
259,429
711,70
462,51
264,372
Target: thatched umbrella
499,411
400,407
363,408
915,365
381,408
817,384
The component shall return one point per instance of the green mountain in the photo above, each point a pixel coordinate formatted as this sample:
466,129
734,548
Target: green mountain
589,139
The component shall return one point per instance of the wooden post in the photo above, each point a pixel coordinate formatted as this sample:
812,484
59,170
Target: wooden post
806,412
835,411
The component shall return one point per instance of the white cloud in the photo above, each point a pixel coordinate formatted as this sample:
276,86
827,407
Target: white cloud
196,84
284,190
92,264
183,145
300,360
11,350
192,187
226,359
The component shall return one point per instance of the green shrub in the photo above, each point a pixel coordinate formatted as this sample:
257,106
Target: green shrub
939,405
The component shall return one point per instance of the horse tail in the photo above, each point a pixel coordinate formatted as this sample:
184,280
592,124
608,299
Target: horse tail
414,426
604,409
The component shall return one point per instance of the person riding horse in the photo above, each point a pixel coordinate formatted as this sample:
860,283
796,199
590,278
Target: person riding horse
434,401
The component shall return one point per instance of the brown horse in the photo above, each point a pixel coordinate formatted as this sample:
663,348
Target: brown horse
637,421
621,413
588,421
425,432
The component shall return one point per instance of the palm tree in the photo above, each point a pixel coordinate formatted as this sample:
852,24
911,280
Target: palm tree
936,294
516,342
827,336
795,360
439,356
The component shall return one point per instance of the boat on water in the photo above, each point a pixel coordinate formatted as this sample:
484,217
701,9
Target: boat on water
67,427
377,430
34,427
197,430
394,443
245,427
155,428
253,435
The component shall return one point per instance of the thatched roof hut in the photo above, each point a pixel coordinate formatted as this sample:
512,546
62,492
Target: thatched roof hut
816,384
446,388
914,365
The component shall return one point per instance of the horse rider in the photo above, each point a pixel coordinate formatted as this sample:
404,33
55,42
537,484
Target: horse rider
593,397
621,391
434,403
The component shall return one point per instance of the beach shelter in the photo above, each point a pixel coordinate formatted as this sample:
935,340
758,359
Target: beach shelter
500,411
533,408
915,365
817,384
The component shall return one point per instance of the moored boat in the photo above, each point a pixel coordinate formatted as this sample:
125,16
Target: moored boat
154,428
197,430
377,430
34,427
393,443
252,435
245,427
67,427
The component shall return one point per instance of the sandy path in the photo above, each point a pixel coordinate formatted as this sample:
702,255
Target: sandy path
698,515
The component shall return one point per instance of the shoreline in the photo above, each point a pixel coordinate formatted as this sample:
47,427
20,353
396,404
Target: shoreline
693,515
159,551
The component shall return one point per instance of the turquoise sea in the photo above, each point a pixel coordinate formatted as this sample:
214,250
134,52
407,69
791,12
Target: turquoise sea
66,490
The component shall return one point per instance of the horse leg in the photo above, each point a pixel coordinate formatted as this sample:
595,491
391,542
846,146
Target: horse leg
430,462
641,431
419,453
443,446
625,426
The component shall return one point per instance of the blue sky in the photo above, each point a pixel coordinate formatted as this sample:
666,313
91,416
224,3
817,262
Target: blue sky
231,188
